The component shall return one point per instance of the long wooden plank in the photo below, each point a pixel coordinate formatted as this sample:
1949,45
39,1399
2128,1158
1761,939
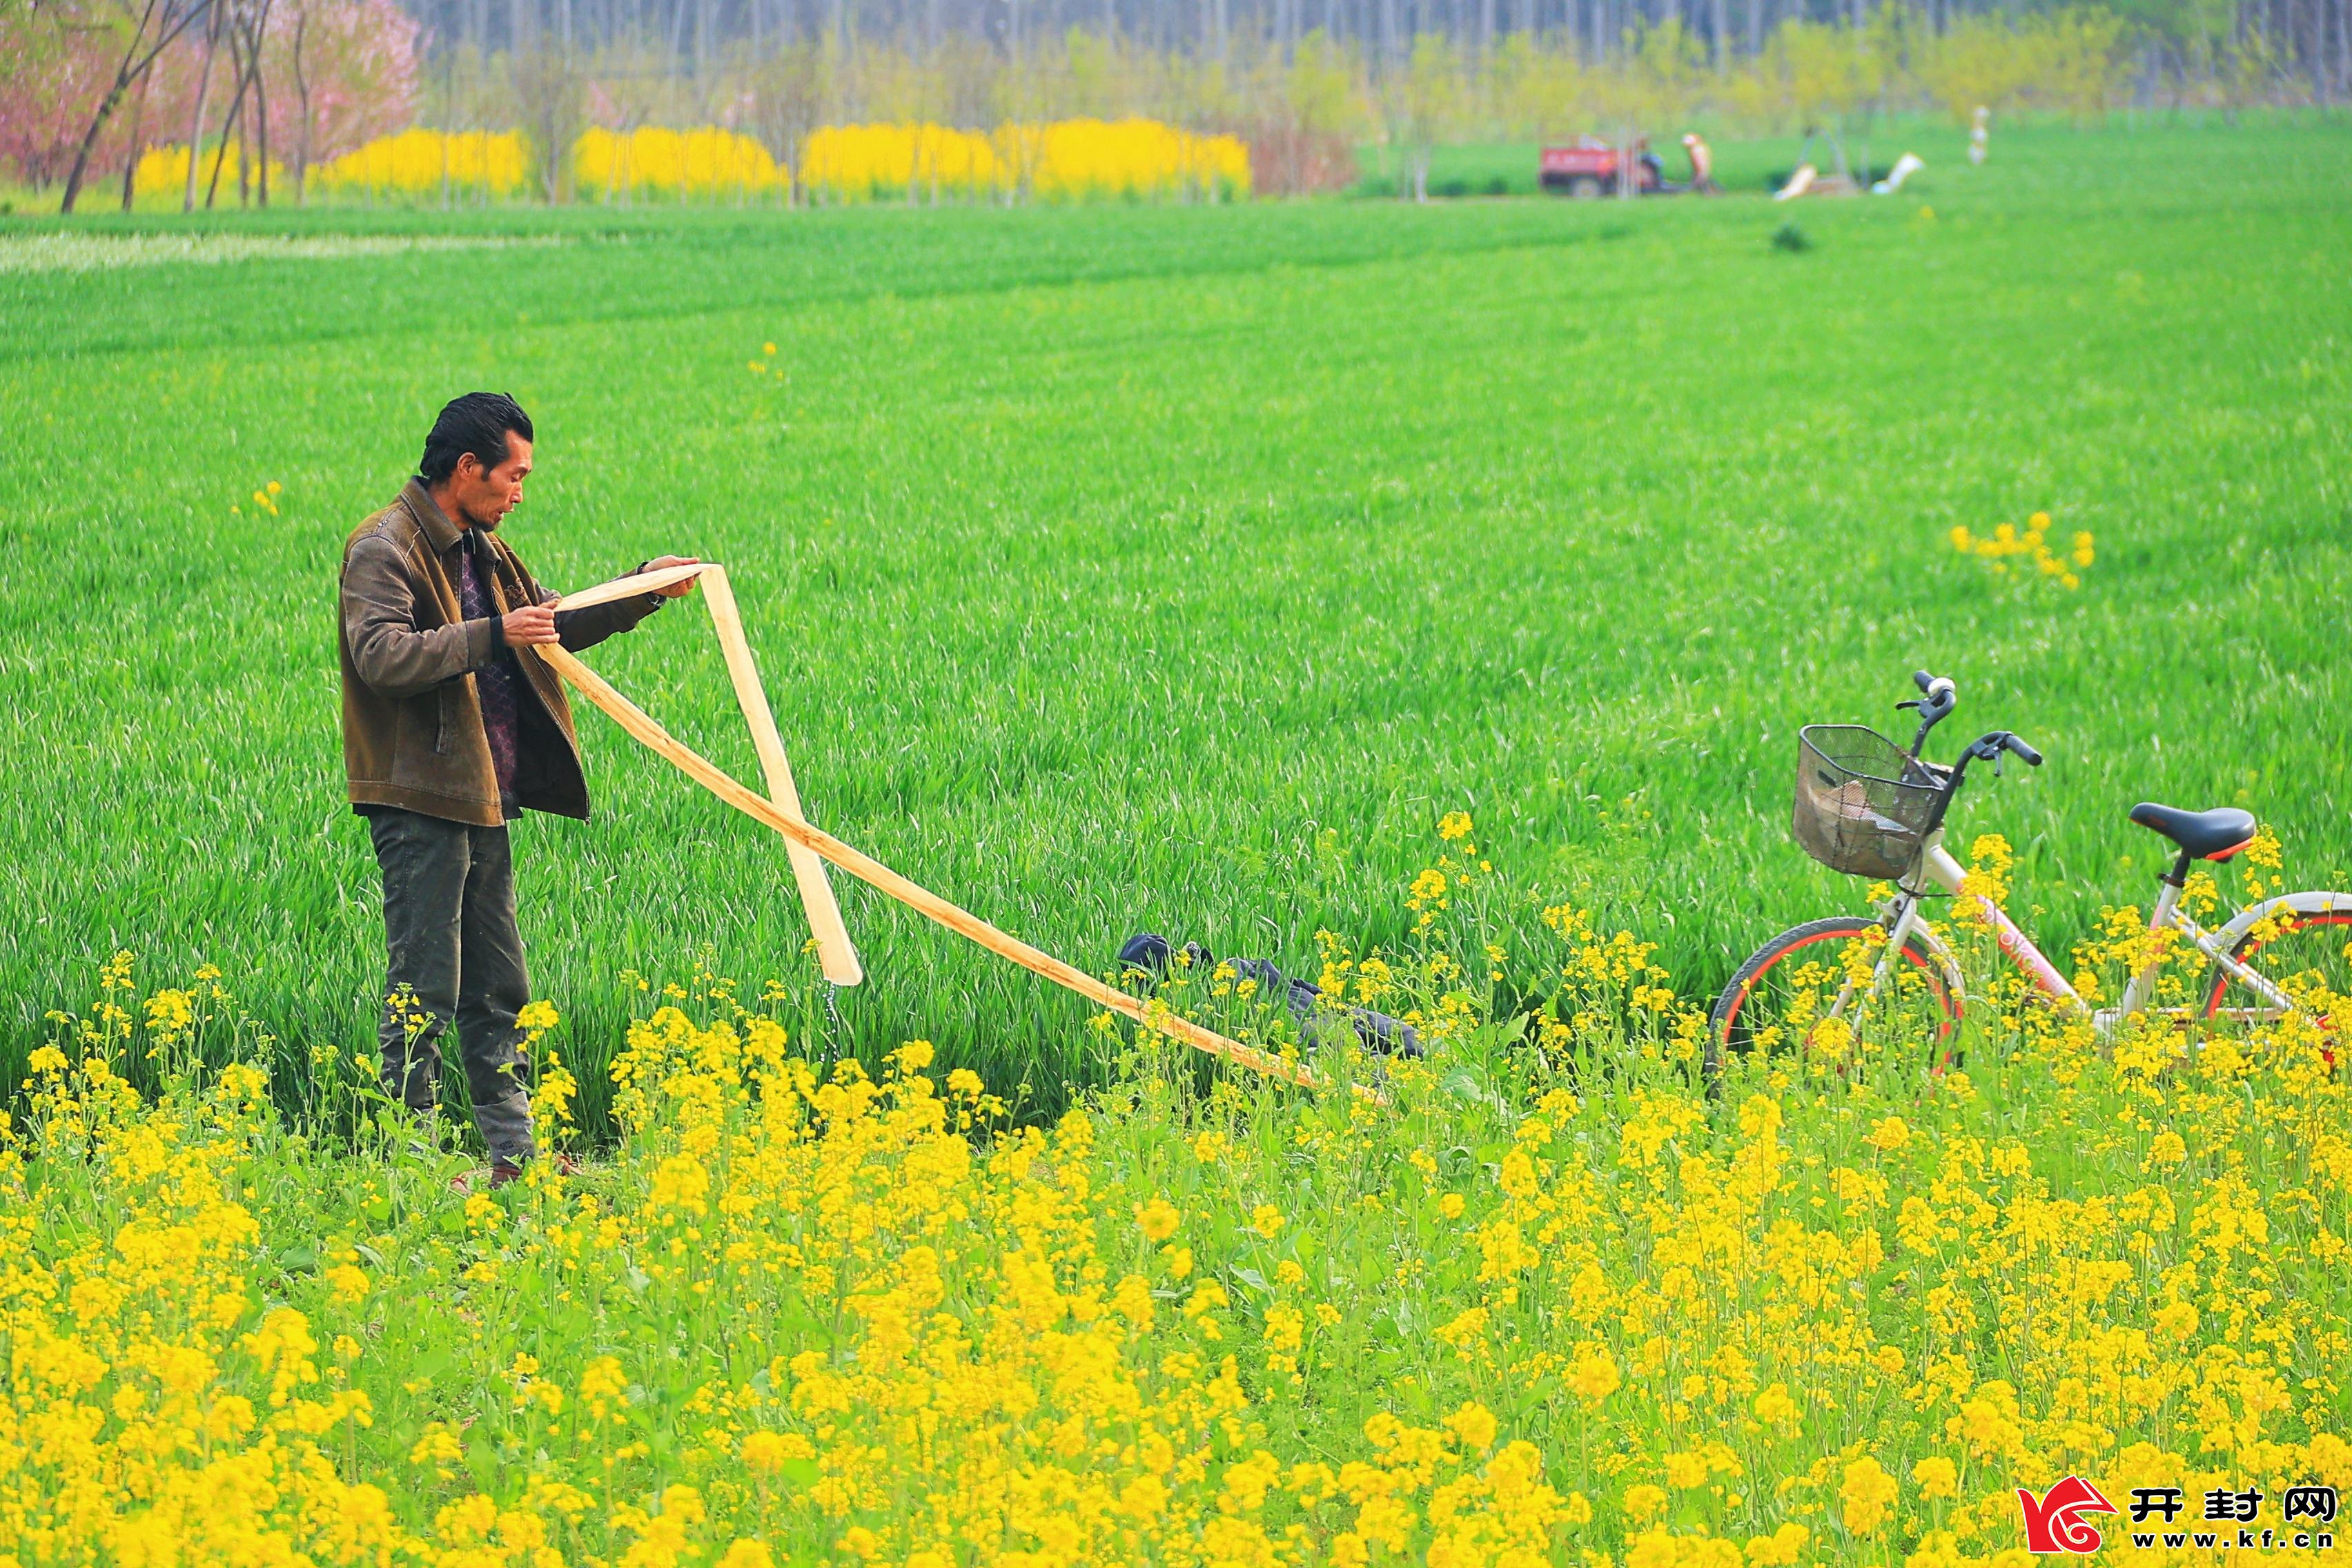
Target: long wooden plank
834,949
622,587
867,869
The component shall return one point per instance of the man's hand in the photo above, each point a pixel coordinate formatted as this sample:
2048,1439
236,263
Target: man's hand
676,590
532,623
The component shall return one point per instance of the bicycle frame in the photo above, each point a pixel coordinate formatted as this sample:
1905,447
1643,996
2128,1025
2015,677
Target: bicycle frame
1938,869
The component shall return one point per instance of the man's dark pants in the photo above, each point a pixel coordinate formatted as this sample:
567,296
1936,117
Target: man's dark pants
449,923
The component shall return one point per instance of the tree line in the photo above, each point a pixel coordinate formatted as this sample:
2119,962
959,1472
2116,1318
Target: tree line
250,86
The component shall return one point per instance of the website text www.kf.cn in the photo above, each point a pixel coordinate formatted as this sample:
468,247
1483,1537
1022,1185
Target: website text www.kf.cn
2316,1506
2229,1520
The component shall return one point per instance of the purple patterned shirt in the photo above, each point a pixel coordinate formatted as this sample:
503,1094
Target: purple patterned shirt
495,682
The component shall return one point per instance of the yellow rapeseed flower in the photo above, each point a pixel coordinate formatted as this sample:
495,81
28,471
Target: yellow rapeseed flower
1644,1502
1685,1471
1937,1477
1866,1494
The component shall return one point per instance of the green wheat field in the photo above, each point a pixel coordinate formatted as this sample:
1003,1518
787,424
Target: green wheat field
1176,569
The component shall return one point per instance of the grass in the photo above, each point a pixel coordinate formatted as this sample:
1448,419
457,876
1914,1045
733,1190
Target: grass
1175,569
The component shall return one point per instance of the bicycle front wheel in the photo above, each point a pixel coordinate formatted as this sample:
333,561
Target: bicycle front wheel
1807,992
2306,953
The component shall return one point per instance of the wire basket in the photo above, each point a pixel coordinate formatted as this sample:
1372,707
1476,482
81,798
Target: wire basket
1863,806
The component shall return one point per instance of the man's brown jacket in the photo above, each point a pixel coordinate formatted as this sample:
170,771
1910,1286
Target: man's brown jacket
413,732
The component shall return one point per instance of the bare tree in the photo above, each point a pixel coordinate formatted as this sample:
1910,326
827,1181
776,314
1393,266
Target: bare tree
138,57
789,96
246,27
233,120
138,139
302,104
551,95
216,10
257,34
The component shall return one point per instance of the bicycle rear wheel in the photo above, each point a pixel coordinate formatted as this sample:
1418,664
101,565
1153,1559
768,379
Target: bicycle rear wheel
1785,997
2307,955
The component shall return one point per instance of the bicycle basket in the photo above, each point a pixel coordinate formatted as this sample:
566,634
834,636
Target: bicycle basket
1863,806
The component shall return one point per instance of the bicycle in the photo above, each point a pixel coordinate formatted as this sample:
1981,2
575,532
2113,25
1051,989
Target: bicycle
1868,808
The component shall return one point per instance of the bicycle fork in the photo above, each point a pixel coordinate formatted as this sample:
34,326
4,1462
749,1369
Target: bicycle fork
1905,924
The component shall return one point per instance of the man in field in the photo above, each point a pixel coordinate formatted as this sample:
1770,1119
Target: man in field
452,728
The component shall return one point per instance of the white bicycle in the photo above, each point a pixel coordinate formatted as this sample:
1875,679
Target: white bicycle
1867,807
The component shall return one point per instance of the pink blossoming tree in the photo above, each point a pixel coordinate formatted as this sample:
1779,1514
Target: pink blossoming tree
86,86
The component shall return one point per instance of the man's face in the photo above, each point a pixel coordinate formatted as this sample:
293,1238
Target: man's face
483,497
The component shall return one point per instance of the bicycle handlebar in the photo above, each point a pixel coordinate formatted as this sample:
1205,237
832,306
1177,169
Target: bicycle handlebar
1989,747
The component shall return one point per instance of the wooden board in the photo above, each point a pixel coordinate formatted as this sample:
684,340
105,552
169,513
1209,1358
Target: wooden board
835,950
1153,1014
833,945
622,587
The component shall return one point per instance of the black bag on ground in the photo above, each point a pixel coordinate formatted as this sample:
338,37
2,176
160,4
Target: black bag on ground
1152,955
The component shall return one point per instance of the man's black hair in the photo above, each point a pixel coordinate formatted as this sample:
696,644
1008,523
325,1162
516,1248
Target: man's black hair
475,423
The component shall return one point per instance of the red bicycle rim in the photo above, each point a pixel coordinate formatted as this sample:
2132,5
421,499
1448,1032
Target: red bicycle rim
2246,949
1943,995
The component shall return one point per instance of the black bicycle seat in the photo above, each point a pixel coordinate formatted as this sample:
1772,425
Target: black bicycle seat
2207,834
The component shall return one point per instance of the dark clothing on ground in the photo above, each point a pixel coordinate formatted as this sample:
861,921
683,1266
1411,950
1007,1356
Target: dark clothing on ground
414,735
449,923
449,734
1377,1032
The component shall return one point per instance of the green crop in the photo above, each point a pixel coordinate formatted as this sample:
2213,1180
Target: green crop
1176,569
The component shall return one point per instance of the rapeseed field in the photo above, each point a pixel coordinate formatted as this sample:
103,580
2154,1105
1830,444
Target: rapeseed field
1547,1295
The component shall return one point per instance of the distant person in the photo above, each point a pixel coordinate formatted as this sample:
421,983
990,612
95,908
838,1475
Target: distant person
452,728
1981,136
1702,180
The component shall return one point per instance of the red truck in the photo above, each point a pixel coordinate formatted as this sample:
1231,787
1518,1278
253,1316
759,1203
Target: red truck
1590,167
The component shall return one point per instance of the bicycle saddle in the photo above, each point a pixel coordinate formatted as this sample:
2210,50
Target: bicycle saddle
2207,835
